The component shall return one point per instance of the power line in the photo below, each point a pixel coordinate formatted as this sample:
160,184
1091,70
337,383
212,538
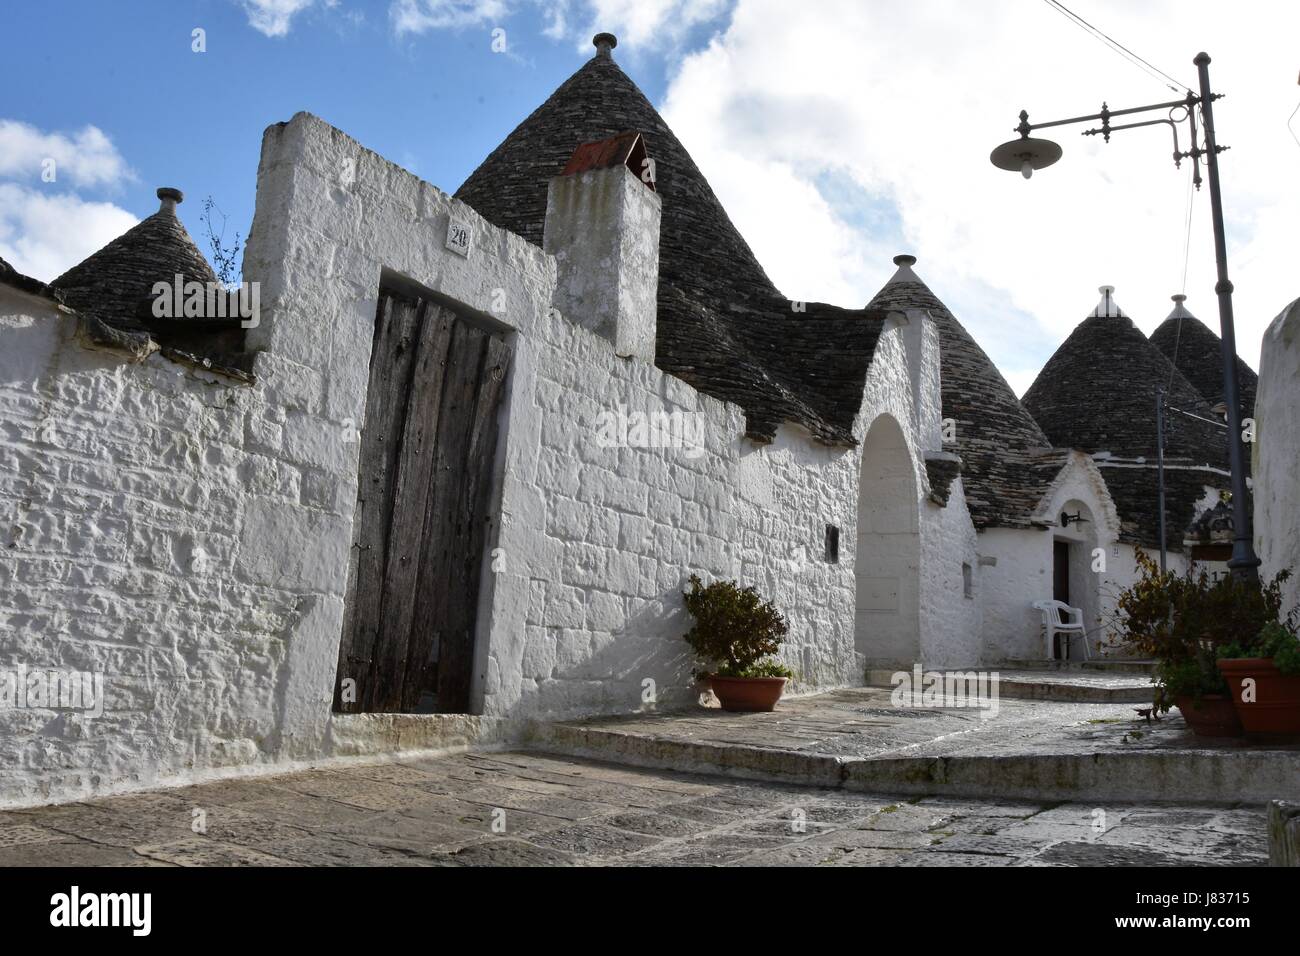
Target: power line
1187,247
1288,124
1199,418
1118,47
1187,239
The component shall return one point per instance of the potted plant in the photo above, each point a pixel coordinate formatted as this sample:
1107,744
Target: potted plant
735,636
1197,688
1184,621
1264,676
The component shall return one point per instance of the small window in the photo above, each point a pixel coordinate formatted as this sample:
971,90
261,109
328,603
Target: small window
967,580
832,544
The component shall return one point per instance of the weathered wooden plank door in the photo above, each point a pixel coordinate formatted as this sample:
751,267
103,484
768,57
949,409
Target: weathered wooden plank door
423,511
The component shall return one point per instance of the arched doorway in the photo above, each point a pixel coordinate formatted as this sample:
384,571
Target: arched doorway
888,554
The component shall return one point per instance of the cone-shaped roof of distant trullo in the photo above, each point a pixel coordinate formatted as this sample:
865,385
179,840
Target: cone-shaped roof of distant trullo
1006,462
1097,393
722,324
1195,350
115,283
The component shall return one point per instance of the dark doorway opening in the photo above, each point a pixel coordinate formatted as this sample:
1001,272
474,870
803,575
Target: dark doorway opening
423,510
1060,583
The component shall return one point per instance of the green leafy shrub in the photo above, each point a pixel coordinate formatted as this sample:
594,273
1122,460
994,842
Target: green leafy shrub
1194,677
1276,640
736,633
1186,621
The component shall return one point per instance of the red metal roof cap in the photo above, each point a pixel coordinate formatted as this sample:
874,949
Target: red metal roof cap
625,149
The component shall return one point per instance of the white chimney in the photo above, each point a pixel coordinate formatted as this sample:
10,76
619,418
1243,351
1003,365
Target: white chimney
602,226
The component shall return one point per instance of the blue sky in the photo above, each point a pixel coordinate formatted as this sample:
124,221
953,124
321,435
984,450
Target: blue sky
436,103
861,127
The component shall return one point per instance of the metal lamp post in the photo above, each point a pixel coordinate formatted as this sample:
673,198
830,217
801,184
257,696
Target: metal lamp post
1026,154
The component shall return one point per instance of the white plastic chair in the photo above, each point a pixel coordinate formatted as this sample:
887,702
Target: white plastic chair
1060,618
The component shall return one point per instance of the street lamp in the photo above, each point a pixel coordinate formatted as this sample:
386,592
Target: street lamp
1027,154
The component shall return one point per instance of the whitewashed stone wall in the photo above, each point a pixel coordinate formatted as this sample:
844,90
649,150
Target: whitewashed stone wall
599,542
137,502
189,537
951,621
1277,452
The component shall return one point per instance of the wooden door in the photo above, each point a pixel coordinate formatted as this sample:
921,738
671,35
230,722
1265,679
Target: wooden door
423,511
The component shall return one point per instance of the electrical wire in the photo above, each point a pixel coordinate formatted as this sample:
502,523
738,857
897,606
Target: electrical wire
1288,124
1187,239
1199,418
1142,64
1187,248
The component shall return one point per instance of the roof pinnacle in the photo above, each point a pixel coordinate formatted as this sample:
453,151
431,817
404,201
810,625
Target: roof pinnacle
604,44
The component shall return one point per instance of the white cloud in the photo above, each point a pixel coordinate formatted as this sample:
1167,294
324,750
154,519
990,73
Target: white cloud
647,24
274,17
420,16
905,102
44,234
556,15
85,158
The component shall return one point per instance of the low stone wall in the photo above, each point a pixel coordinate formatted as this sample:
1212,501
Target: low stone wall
1277,452
1283,833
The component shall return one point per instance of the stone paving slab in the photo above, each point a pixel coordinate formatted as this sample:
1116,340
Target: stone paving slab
533,809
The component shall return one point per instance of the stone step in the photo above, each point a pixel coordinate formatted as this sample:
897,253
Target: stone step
1106,664
1174,776
1060,685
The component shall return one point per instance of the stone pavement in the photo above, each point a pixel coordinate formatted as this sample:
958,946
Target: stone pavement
527,808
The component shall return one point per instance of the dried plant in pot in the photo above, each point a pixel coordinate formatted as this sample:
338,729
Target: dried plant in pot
735,639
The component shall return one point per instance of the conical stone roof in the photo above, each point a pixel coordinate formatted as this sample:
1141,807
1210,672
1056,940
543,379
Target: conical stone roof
115,283
1007,461
722,325
1195,350
1097,393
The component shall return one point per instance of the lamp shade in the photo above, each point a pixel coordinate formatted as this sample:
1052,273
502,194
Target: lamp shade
1014,154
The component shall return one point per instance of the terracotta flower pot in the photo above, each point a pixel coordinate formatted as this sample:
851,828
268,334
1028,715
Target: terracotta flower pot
747,693
1212,716
1275,709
